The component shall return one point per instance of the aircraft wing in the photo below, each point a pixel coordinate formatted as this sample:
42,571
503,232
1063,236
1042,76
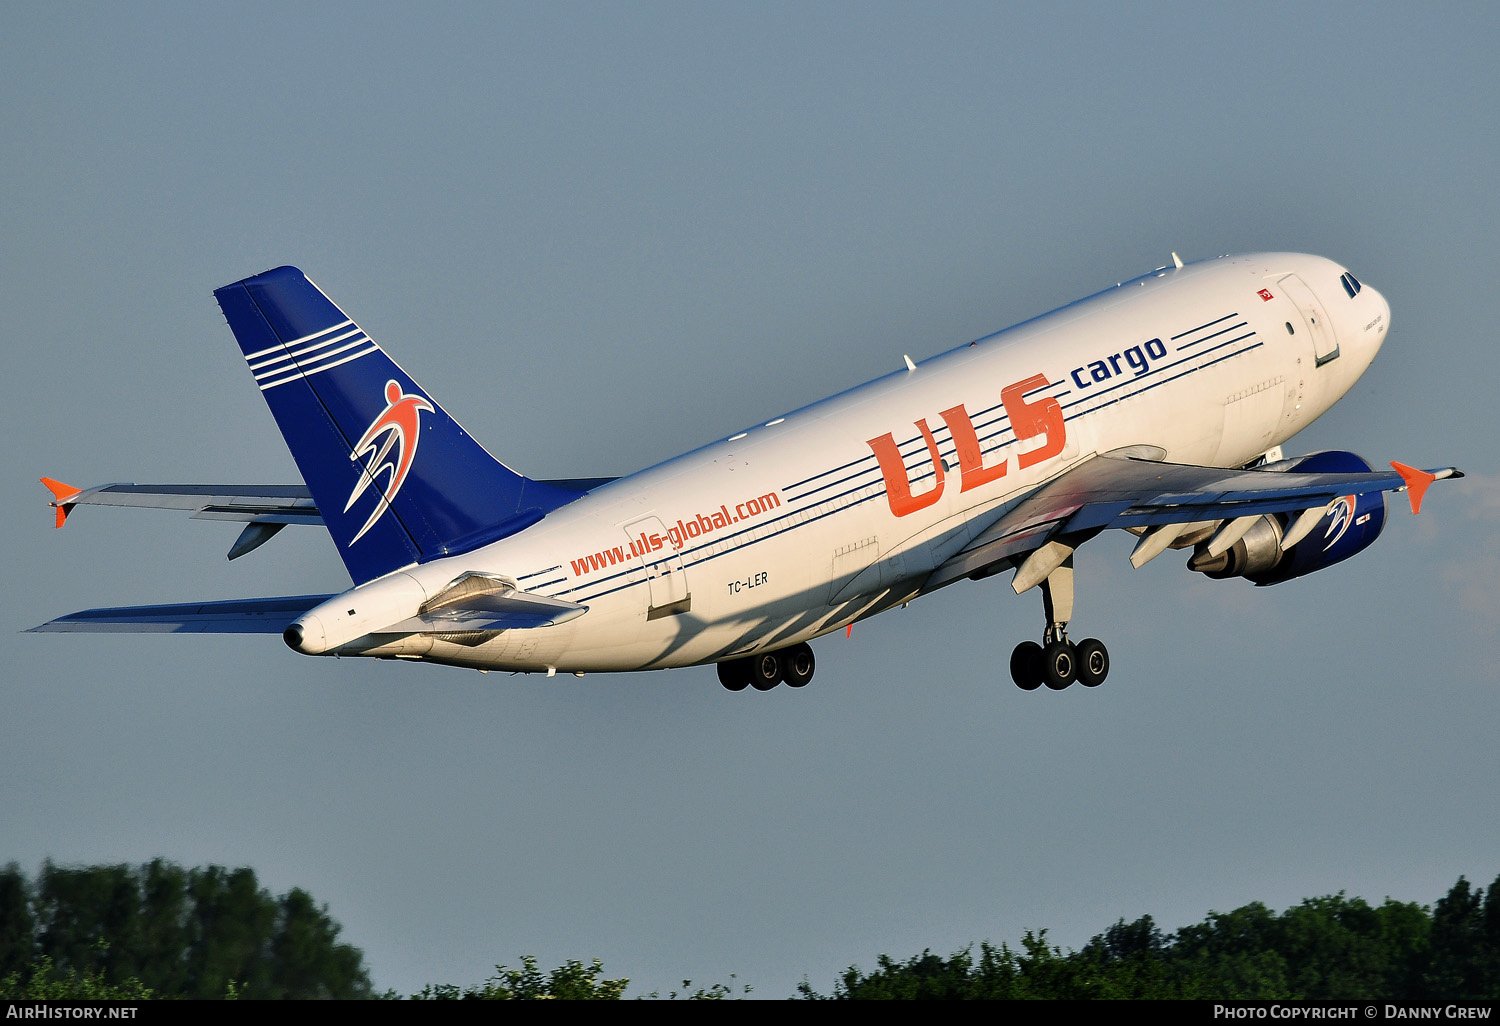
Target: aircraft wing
237,616
1163,498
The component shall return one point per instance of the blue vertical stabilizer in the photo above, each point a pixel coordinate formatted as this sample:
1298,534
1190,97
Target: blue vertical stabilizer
397,480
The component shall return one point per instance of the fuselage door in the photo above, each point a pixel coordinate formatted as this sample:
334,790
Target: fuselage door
666,578
1325,342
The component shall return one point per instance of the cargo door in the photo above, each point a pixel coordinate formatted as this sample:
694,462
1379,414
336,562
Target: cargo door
666,577
1325,342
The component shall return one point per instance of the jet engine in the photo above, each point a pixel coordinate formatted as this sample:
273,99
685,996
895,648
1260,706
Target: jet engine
1349,525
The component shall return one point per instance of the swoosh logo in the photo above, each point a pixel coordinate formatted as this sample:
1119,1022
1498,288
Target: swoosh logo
390,443
1342,515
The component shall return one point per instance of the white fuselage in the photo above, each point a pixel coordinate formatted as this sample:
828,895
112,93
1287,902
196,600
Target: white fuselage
839,510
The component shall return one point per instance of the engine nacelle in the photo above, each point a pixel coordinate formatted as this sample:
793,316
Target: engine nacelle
1352,524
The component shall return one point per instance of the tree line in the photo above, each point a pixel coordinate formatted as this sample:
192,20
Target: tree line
1329,948
161,931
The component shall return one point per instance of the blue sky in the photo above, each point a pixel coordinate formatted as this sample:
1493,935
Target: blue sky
602,234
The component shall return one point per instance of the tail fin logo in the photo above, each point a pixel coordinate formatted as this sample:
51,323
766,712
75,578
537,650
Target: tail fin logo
398,428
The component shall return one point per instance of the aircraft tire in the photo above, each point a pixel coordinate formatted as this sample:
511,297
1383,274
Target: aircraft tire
1093,662
734,674
797,665
1059,665
1026,666
765,671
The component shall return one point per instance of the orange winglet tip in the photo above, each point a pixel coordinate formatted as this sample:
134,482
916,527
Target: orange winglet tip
1416,483
61,492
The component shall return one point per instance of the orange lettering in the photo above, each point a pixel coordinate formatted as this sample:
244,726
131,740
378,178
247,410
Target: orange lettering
972,470
1043,417
897,483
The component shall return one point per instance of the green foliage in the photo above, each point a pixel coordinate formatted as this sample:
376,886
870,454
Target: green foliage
1106,969
158,930
199,933
571,981
1465,945
17,927
1328,948
41,981
717,992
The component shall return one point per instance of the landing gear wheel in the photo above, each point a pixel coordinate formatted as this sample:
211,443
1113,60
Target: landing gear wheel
1026,666
765,671
1059,665
1093,662
735,674
797,665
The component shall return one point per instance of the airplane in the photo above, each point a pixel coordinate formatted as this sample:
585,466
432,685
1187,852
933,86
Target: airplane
1157,406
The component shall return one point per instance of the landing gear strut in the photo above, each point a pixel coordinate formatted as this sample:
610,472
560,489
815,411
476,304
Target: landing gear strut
794,666
1056,662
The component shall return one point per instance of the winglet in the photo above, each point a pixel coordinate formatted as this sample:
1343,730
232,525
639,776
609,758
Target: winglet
61,492
1416,483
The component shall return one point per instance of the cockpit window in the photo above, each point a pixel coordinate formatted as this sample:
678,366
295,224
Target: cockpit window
1351,284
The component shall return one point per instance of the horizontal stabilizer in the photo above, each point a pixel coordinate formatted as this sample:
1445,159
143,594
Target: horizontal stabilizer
481,602
284,504
519,616
236,616
265,509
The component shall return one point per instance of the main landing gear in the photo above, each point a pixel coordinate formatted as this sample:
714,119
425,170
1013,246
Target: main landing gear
1059,663
793,666
1056,662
